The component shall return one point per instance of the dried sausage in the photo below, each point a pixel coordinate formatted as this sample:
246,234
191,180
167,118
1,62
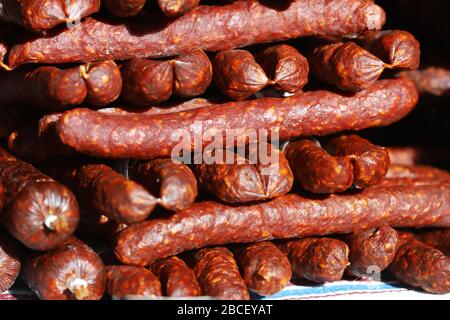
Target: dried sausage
210,28
433,80
396,47
173,183
371,250
218,274
173,8
370,162
287,216
37,143
51,88
147,81
415,155
124,8
422,266
265,269
103,82
39,15
10,263
305,114
243,180
417,173
285,66
45,88
317,259
131,282
439,239
177,279
73,271
237,74
346,65
40,212
105,191
192,74
316,170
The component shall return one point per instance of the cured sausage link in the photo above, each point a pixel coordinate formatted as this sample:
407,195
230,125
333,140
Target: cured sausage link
73,271
287,216
218,274
210,28
305,114
38,15
40,212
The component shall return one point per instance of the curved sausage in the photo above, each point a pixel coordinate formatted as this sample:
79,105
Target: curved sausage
346,66
316,170
287,216
305,114
422,266
105,191
174,8
124,8
38,15
10,263
439,239
371,250
73,271
265,269
317,259
177,279
131,282
218,274
40,212
398,48
237,74
416,155
417,173
285,66
173,183
370,162
210,28
103,82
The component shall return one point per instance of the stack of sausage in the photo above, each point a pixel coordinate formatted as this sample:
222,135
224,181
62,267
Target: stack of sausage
92,93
